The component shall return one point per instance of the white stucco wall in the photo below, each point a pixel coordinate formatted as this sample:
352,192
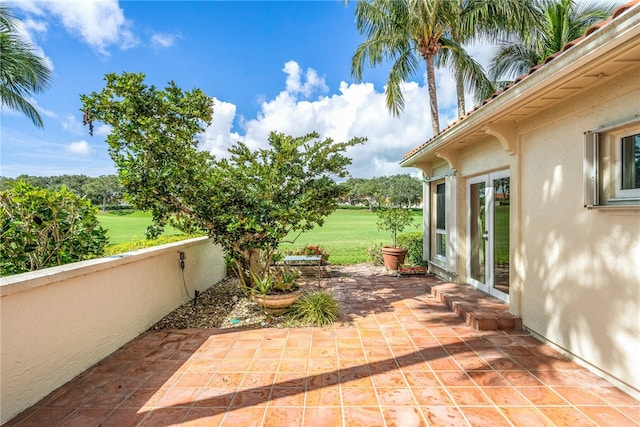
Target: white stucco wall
574,271
57,322
483,157
580,268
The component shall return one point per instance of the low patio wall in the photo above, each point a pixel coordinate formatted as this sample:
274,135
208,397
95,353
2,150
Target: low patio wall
57,322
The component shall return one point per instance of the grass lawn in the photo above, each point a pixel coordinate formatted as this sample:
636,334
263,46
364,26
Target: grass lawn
501,231
346,234
130,227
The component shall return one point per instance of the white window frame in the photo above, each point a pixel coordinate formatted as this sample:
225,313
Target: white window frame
603,168
448,261
439,232
620,193
451,213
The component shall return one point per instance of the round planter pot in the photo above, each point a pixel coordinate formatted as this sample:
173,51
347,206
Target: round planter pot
393,257
277,304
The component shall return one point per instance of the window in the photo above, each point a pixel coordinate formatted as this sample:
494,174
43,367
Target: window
441,223
612,166
440,203
630,162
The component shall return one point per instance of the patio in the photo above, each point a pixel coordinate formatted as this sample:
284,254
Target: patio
402,359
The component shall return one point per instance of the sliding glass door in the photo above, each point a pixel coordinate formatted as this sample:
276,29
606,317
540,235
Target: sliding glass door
488,233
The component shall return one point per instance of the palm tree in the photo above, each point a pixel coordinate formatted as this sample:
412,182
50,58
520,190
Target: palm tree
487,21
22,72
403,32
562,21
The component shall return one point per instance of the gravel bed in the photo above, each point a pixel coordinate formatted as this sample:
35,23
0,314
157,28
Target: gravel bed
223,305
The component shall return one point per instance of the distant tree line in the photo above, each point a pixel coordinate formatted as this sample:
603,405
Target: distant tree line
101,191
397,190
105,191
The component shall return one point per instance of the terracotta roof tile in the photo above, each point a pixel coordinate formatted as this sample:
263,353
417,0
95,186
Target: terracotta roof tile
592,29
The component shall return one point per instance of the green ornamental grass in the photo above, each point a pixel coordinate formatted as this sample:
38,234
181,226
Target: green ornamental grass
317,308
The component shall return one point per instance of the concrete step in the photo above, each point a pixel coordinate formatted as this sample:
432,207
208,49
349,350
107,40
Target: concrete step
480,311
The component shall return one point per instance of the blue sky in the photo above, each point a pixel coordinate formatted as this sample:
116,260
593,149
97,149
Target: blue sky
269,65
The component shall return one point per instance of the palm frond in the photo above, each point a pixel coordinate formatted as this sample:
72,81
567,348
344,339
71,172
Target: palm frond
22,72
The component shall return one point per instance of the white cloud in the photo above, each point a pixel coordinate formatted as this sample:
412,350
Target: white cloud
80,147
71,124
25,29
102,130
295,84
31,24
357,110
74,126
218,137
163,40
43,111
99,23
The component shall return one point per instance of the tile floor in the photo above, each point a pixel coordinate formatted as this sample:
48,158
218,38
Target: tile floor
403,359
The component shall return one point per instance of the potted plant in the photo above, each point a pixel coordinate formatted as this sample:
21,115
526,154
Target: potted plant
275,292
394,220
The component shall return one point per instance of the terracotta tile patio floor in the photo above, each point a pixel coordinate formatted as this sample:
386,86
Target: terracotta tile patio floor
403,360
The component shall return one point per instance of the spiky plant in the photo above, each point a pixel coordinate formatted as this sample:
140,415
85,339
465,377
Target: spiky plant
317,308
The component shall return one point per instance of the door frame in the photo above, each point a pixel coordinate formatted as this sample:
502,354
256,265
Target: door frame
488,285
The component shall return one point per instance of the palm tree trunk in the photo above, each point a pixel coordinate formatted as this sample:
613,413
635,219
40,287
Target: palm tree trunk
433,96
460,92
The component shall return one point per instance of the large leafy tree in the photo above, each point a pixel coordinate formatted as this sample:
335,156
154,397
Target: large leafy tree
397,190
404,190
73,183
561,22
103,189
366,191
248,202
22,71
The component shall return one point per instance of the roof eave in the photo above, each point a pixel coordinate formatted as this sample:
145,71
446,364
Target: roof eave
570,61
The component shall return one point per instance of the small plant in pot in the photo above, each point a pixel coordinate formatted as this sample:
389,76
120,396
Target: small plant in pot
393,220
275,293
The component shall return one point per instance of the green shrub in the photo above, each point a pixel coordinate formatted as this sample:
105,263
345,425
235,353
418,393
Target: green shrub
120,212
114,208
413,242
354,207
317,308
374,253
145,243
44,228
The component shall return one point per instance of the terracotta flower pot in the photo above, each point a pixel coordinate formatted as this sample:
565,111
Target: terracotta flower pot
393,257
277,303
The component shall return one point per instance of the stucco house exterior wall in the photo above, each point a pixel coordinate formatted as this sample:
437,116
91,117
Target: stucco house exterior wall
573,261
